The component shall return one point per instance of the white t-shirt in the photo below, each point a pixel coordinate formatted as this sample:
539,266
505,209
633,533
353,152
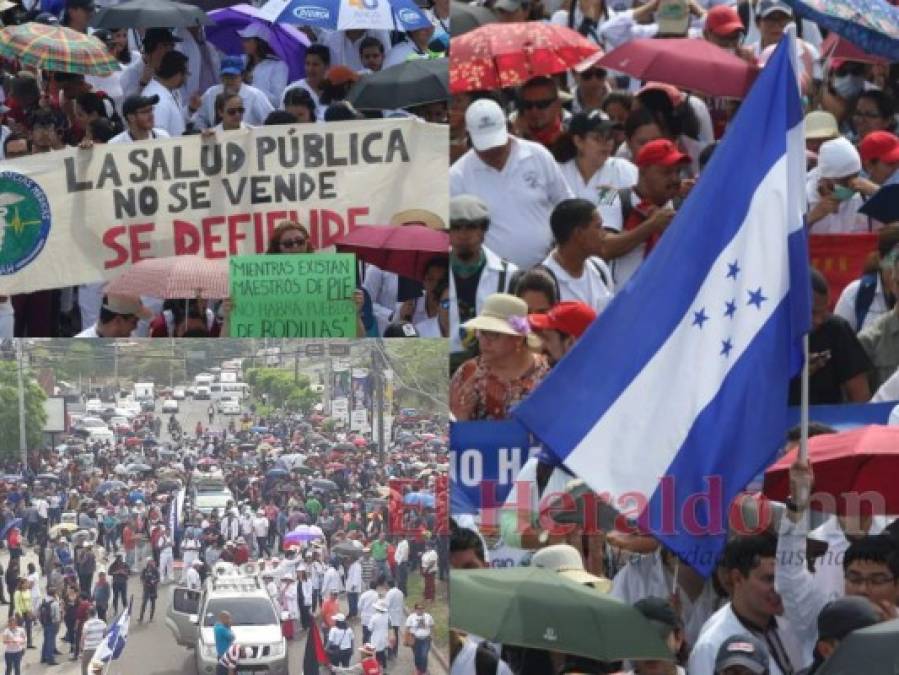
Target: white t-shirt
847,219
420,625
520,199
402,53
614,174
125,137
169,113
846,304
88,332
429,328
589,288
889,391
346,52
464,663
342,637
304,85
270,77
256,106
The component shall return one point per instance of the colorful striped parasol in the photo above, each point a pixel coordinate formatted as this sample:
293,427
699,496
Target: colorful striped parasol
57,49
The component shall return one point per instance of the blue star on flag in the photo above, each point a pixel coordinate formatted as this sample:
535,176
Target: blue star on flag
726,346
731,308
700,318
733,269
756,298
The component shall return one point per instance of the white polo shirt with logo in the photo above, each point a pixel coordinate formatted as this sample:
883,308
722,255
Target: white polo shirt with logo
520,199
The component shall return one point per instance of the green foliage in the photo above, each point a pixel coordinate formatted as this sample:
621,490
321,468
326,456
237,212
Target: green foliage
423,367
9,411
281,389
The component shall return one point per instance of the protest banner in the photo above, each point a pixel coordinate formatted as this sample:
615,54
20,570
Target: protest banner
485,458
840,258
82,215
305,295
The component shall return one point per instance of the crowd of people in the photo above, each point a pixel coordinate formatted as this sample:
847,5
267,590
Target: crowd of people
560,188
86,517
172,82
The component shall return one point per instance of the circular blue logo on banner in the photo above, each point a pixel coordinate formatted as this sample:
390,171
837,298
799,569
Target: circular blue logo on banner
24,221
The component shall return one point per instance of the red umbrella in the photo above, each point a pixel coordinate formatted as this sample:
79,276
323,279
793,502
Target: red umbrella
836,47
183,276
697,65
403,249
857,461
508,54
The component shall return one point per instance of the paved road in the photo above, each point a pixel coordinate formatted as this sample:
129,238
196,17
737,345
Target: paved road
151,649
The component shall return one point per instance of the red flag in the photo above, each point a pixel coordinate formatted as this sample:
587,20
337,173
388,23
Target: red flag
315,654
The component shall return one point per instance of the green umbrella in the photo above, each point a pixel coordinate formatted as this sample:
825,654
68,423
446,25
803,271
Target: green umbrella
538,608
873,651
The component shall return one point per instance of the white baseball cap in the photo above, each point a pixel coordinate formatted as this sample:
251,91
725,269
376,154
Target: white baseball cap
486,124
256,30
838,158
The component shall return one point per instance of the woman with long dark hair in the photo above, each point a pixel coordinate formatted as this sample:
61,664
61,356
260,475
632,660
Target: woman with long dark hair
265,70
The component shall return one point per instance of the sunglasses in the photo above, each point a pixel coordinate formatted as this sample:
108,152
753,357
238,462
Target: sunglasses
462,225
593,73
445,304
293,243
235,111
540,105
867,115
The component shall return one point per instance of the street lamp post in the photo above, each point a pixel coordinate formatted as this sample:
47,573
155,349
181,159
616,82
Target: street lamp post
23,439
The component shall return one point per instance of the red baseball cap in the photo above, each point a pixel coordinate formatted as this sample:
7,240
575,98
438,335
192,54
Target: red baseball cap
571,318
880,145
723,20
660,152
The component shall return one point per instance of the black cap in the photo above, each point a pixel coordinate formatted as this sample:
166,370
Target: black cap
154,37
172,64
581,123
844,615
80,4
134,103
660,612
742,650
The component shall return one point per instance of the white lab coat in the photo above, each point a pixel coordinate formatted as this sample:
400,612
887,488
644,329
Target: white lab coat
331,582
488,284
367,605
354,578
379,625
290,601
192,579
270,77
395,607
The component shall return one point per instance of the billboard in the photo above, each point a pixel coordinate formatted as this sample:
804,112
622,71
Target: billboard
55,408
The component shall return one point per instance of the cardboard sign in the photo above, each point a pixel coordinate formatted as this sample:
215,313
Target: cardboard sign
304,295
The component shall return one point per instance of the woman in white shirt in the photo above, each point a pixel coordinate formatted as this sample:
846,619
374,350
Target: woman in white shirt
265,70
229,109
419,625
379,625
425,307
340,637
14,640
438,325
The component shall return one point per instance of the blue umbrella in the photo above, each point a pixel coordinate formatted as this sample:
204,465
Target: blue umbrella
259,430
872,25
286,41
277,473
425,499
15,522
402,15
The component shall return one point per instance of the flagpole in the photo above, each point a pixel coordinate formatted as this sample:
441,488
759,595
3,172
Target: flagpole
803,410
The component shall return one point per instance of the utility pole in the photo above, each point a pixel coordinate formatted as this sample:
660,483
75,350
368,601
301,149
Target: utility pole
23,439
296,362
172,364
115,367
378,402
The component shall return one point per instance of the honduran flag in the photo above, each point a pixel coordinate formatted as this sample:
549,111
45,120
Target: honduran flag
677,395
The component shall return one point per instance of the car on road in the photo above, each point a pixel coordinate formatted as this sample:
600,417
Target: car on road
202,394
94,406
120,425
170,406
255,621
229,406
179,394
147,405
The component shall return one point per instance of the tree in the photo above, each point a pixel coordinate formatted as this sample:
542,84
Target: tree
422,372
35,416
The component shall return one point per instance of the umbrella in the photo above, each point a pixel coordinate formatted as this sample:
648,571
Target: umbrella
277,473
465,17
502,55
292,460
344,447
403,15
303,533
335,466
425,499
258,430
697,65
156,14
360,442
109,486
403,249
404,85
538,608
48,476
287,42
865,459
835,47
323,484
209,5
138,468
56,48
62,529
15,522
181,276
206,461
872,651
347,550
872,25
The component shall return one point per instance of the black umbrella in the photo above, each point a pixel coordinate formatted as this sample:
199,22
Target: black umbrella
143,14
873,650
404,85
465,17
48,476
347,550
323,484
209,5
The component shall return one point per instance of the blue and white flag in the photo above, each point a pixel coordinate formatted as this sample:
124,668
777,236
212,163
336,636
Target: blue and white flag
403,15
677,394
115,638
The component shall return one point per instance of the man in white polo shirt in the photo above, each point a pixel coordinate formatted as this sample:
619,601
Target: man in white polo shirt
170,112
518,180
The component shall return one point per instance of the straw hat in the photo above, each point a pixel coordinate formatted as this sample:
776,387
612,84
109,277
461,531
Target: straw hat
419,217
506,314
566,560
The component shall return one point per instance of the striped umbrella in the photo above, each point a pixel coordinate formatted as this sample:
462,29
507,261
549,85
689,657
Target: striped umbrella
182,276
57,49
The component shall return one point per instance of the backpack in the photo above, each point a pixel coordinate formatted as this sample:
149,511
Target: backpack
45,613
864,298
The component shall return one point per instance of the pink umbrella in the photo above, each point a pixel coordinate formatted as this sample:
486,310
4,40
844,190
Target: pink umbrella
403,249
835,47
183,276
696,65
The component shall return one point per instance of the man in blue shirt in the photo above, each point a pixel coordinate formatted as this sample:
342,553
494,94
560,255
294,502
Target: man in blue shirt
224,637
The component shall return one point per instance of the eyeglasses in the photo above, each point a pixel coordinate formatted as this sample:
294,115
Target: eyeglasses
235,111
293,243
540,105
462,225
873,580
593,73
444,304
873,115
